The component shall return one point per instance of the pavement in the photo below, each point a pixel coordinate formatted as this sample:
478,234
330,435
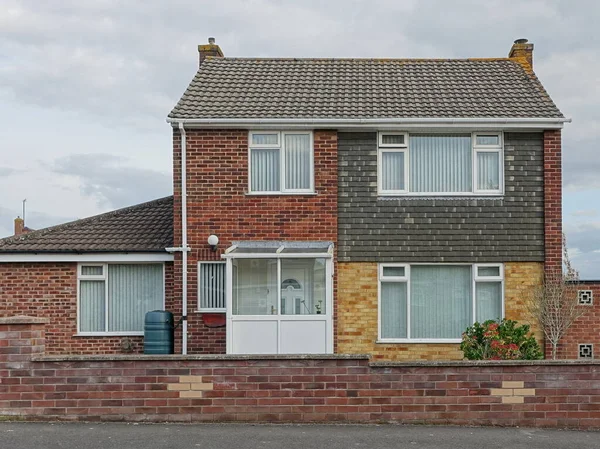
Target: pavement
20,435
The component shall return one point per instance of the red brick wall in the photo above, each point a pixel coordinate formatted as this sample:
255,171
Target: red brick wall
553,199
50,290
217,183
280,389
585,330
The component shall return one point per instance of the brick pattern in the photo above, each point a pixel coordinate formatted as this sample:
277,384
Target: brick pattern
585,329
553,200
50,290
357,312
422,229
290,390
513,392
218,203
520,280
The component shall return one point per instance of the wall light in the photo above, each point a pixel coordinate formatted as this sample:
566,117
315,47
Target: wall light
213,241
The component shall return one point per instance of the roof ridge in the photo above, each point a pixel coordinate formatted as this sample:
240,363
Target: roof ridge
246,58
92,219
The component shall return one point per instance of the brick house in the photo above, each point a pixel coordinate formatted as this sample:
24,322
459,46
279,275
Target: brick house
373,206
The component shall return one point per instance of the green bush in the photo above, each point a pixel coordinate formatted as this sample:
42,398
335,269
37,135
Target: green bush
504,340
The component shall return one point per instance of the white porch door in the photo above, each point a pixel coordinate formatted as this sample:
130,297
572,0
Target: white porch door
279,306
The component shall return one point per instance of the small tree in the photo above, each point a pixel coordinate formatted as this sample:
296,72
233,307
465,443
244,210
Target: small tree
554,304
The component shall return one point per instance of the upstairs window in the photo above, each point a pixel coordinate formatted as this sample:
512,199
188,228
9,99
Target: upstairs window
281,162
440,164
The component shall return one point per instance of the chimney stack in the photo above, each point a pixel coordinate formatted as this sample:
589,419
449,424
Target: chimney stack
19,226
211,49
522,52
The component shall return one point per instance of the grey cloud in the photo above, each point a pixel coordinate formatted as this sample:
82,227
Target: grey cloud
7,171
583,242
112,181
585,213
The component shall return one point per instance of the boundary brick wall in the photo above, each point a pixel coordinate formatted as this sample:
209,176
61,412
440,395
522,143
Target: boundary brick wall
47,289
287,389
218,203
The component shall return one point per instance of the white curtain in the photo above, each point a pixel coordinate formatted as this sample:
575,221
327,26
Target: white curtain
488,170
91,306
440,163
488,296
265,139
440,301
212,285
265,170
392,168
297,161
393,310
133,290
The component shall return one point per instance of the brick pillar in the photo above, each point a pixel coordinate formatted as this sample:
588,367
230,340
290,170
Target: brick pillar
552,201
20,338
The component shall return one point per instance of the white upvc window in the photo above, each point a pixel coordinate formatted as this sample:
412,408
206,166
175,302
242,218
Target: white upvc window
440,164
280,162
435,303
211,286
113,298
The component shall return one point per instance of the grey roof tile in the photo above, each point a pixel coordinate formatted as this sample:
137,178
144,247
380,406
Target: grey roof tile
146,227
364,88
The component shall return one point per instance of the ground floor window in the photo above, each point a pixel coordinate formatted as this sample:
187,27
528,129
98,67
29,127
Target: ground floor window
437,302
114,298
278,286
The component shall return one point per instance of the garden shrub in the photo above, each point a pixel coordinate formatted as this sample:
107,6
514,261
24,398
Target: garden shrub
504,340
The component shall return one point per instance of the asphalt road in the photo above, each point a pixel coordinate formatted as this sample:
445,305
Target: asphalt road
20,435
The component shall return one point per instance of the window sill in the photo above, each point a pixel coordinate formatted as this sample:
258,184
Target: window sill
469,195
211,311
109,334
280,193
419,341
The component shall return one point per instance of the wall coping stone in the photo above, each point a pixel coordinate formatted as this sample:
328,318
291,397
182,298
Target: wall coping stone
203,357
23,319
483,363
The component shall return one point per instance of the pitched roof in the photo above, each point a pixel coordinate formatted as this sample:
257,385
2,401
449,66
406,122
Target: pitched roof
146,227
364,88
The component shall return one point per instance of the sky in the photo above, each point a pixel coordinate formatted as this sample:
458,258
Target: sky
86,85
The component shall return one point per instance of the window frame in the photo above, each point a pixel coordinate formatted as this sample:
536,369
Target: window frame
475,150
199,307
105,278
392,148
475,278
282,161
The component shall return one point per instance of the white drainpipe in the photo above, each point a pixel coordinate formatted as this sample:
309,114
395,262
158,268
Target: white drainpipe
184,243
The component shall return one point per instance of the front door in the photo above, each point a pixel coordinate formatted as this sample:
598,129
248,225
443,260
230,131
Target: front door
279,306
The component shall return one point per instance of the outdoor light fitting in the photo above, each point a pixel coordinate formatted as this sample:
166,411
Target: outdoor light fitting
213,241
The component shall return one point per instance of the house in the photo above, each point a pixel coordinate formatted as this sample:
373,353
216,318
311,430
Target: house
344,206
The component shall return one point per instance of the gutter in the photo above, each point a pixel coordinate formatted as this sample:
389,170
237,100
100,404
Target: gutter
184,248
380,123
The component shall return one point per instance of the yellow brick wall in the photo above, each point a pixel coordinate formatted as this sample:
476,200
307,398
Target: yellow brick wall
357,312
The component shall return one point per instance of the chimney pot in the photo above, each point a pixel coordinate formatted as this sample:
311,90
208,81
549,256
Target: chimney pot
521,41
210,49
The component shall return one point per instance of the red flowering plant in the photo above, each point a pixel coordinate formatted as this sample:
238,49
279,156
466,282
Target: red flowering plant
504,340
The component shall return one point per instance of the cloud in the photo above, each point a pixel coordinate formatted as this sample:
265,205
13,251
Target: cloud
585,213
112,181
7,171
583,241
